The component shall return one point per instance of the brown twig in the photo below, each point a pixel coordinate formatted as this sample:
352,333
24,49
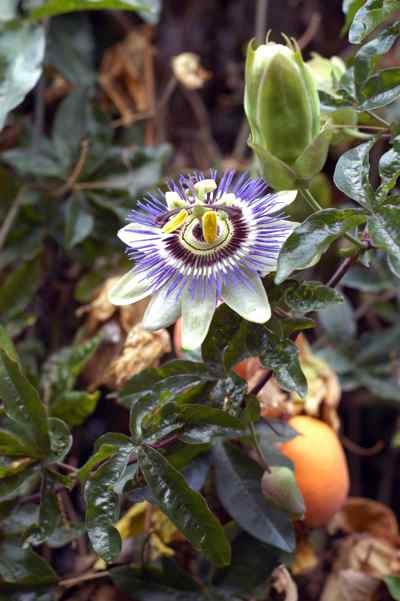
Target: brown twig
77,170
10,218
70,582
311,31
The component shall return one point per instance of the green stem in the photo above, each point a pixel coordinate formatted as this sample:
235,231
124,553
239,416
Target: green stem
315,206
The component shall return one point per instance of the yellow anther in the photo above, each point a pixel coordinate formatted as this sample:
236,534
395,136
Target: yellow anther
209,226
175,222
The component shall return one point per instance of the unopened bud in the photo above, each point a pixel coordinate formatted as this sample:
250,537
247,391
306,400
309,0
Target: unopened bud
279,487
281,100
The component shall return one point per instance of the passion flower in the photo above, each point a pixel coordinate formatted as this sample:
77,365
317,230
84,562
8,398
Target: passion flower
203,241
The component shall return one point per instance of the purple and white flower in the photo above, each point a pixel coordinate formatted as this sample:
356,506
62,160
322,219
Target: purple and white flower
203,241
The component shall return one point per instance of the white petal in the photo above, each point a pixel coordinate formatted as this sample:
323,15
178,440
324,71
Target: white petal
281,200
197,313
250,301
128,290
128,236
163,310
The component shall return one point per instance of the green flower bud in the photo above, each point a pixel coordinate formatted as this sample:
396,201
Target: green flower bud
279,487
281,100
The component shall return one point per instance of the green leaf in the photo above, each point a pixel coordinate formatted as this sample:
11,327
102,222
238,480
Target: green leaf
41,162
303,297
389,168
393,584
19,288
60,439
166,382
224,326
203,414
282,356
339,322
79,223
22,403
23,566
71,126
311,239
368,56
148,9
21,56
102,504
350,7
105,451
185,508
12,485
352,174
49,514
74,407
70,49
61,370
384,230
252,564
12,445
369,16
238,481
381,89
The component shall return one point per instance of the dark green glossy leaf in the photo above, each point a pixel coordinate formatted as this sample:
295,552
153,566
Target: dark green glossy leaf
381,89
389,169
21,56
238,481
384,230
49,514
368,56
282,356
312,238
352,174
350,7
225,324
105,451
22,403
60,439
251,566
148,9
369,16
203,414
12,485
166,382
186,508
12,445
19,288
102,504
23,566
303,297
338,322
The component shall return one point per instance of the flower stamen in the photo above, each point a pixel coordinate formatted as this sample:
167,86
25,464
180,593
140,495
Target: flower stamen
175,222
209,225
